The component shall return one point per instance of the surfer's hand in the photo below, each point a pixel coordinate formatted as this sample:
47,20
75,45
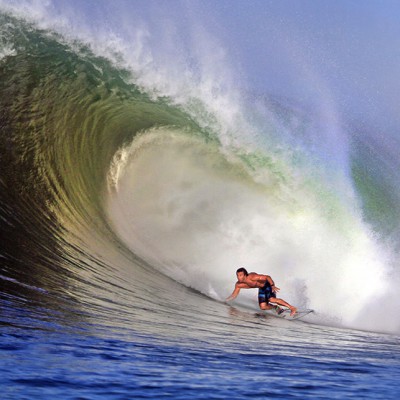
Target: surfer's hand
275,289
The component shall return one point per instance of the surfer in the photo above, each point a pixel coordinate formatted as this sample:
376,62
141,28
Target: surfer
266,289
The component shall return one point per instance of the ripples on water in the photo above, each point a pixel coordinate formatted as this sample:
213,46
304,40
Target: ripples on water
176,343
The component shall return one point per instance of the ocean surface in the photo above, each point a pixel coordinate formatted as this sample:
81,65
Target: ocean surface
130,192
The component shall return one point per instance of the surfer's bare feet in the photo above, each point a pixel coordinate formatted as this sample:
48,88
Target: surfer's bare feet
293,311
278,310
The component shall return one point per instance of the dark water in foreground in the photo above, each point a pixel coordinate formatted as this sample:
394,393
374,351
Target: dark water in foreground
214,351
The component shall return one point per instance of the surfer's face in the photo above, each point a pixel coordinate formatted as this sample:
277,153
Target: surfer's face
241,276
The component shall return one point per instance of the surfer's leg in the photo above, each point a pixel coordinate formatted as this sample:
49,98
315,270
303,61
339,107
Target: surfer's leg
265,306
283,303
262,300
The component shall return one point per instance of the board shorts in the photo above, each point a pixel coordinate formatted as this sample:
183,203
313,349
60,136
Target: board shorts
265,293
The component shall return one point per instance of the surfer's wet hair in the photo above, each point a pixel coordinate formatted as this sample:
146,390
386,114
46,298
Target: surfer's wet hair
242,270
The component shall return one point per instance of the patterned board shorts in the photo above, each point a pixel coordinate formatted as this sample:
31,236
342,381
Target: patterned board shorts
265,293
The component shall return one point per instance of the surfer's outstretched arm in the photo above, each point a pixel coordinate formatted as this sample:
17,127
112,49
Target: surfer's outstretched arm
236,291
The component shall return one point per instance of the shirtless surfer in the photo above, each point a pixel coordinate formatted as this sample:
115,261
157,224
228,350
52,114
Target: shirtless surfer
266,289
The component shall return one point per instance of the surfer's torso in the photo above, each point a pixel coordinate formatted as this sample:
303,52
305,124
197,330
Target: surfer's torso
253,280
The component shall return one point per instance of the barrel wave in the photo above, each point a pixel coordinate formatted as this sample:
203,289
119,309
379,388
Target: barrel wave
105,179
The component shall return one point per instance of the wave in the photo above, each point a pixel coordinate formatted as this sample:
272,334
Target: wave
114,169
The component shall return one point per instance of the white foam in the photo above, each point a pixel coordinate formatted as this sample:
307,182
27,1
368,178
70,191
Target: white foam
196,216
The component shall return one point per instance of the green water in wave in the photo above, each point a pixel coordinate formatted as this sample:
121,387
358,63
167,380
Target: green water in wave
64,114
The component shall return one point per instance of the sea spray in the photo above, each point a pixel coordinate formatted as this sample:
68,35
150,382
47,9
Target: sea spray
196,215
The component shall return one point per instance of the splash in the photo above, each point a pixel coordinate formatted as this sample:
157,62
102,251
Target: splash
196,214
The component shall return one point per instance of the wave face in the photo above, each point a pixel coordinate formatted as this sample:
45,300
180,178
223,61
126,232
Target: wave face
119,178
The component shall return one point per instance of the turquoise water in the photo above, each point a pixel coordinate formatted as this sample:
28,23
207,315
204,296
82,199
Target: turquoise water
126,207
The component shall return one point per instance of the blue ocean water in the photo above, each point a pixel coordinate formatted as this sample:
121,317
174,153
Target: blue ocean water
236,355
136,176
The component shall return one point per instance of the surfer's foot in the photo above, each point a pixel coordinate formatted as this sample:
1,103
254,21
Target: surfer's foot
293,311
278,310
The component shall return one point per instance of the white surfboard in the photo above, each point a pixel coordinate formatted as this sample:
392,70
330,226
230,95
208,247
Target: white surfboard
285,313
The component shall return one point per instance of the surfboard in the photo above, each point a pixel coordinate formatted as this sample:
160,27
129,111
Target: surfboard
285,313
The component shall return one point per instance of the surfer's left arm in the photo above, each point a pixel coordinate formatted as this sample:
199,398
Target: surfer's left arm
271,282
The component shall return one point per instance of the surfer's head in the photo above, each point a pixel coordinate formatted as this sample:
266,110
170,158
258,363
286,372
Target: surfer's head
241,274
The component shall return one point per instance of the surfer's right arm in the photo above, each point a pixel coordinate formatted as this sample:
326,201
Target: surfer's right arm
236,291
